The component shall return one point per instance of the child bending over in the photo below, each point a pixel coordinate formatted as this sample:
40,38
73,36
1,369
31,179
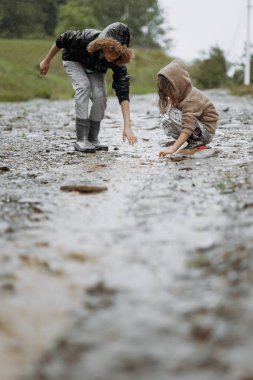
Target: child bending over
189,116
87,55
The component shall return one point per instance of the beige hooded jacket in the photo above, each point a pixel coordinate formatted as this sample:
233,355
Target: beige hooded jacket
192,102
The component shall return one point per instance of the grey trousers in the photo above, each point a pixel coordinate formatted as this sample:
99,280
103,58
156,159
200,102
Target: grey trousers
88,86
172,126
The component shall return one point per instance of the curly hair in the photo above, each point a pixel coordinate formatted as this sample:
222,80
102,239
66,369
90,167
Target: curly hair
165,93
125,54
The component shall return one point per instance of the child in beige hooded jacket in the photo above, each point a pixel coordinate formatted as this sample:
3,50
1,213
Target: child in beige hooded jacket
189,116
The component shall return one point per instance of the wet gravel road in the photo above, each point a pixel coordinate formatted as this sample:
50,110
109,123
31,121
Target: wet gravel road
150,279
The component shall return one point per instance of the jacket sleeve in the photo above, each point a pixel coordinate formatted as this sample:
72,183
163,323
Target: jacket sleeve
70,39
191,112
120,82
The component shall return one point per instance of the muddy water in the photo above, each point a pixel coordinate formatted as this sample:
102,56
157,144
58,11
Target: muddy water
151,279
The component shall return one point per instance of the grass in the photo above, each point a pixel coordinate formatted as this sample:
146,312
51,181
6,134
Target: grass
241,90
20,79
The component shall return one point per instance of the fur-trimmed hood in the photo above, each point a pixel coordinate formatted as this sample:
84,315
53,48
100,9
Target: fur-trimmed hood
117,37
125,54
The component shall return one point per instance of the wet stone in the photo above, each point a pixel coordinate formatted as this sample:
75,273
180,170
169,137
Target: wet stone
83,187
29,201
202,331
186,169
99,289
7,287
45,179
80,256
4,169
7,128
99,296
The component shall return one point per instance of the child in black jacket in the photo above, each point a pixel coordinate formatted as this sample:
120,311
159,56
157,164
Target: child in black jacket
87,54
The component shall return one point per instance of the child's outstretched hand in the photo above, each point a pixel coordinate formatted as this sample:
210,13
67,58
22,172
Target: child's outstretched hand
44,67
167,151
127,133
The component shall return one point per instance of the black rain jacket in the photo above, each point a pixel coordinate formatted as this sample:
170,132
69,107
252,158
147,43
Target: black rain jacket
74,44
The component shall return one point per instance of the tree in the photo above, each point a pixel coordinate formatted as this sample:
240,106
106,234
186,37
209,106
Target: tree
144,18
238,76
212,71
28,18
75,15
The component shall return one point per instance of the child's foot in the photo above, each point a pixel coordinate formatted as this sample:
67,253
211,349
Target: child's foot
196,144
193,147
85,147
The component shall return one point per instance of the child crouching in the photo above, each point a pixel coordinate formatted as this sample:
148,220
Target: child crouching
189,116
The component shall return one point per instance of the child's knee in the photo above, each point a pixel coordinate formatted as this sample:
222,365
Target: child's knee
167,126
100,102
175,115
99,107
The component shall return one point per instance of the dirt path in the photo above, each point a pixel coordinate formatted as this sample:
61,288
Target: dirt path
151,279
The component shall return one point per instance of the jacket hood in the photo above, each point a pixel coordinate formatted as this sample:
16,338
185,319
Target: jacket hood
118,31
116,36
178,76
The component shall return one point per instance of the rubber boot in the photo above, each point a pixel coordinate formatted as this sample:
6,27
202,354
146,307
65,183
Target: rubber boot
93,136
82,143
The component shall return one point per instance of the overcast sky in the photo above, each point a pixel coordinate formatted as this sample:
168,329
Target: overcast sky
199,24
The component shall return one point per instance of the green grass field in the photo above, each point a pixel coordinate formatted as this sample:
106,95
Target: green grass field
20,78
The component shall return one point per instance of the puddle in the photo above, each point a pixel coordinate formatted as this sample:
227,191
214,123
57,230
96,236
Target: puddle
158,266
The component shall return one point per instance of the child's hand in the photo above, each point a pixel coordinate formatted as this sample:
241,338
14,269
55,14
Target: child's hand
169,150
44,67
127,133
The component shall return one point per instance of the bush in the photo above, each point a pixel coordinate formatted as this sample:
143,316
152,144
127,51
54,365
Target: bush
210,72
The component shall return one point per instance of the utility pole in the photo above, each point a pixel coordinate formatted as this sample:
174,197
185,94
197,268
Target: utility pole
248,53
